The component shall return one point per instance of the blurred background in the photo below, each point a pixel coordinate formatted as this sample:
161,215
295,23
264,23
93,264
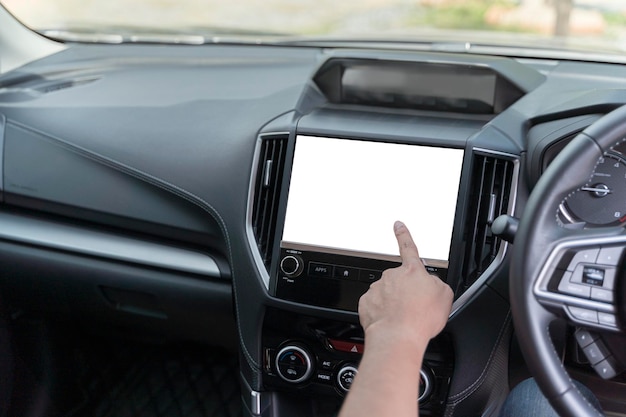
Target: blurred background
573,19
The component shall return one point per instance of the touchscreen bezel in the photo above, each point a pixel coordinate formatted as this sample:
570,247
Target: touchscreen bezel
448,160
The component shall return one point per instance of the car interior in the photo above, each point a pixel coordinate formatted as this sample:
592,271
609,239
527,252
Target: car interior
186,230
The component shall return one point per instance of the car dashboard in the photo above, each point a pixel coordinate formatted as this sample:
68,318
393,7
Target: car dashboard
244,196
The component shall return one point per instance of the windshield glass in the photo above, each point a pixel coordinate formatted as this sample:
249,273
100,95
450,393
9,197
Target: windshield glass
582,25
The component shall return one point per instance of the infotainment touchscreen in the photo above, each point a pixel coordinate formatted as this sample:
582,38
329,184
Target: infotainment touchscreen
344,196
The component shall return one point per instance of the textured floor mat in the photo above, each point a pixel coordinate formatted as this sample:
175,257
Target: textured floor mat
148,381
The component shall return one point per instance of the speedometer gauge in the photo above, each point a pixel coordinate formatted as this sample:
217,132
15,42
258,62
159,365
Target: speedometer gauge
602,202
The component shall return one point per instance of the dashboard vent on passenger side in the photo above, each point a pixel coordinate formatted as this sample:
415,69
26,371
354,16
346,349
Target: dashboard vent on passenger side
490,193
267,193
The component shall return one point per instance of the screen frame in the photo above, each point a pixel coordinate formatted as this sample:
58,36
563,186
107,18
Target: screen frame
460,196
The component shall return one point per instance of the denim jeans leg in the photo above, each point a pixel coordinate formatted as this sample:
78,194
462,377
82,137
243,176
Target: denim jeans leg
526,399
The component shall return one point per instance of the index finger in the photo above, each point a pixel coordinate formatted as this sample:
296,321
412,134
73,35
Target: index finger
408,249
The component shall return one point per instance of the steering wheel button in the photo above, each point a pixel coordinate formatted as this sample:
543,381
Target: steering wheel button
610,255
588,256
584,337
567,276
606,369
583,314
578,290
593,275
599,294
577,275
595,352
607,319
609,279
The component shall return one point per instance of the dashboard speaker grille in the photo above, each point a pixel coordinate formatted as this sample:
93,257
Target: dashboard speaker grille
267,193
490,187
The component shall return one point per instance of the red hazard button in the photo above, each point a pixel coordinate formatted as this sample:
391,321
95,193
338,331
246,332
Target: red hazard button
346,346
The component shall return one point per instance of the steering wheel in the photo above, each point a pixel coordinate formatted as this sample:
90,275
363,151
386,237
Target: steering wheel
543,250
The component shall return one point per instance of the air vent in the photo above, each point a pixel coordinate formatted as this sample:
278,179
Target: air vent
267,193
492,177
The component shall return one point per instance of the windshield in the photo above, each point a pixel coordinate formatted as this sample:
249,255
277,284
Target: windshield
580,25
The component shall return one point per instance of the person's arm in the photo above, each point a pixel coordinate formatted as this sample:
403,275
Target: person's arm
400,314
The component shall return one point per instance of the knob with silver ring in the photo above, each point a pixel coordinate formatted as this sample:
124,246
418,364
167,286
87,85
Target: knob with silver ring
291,265
345,377
426,385
294,364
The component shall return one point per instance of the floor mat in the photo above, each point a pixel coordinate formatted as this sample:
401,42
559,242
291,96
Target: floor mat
154,381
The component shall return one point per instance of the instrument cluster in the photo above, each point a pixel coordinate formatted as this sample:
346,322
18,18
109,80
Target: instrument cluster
602,201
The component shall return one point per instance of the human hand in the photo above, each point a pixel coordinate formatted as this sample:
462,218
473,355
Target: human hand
407,302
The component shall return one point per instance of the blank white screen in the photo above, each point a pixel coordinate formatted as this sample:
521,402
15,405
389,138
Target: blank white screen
346,194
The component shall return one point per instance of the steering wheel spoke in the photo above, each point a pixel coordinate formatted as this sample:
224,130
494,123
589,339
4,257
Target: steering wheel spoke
578,280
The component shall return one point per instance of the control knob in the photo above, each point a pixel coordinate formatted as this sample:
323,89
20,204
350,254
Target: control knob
345,377
426,385
294,364
291,265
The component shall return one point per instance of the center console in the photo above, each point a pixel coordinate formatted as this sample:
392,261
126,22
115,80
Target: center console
342,198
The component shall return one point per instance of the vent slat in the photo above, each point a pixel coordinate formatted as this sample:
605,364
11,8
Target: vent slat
264,226
490,190
267,193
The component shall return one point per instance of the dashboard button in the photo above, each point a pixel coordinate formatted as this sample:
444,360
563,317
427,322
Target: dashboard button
431,269
346,346
370,275
583,314
324,377
609,255
320,270
345,272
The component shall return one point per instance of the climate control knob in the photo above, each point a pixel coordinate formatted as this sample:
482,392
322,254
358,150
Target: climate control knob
294,364
345,377
426,385
291,265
